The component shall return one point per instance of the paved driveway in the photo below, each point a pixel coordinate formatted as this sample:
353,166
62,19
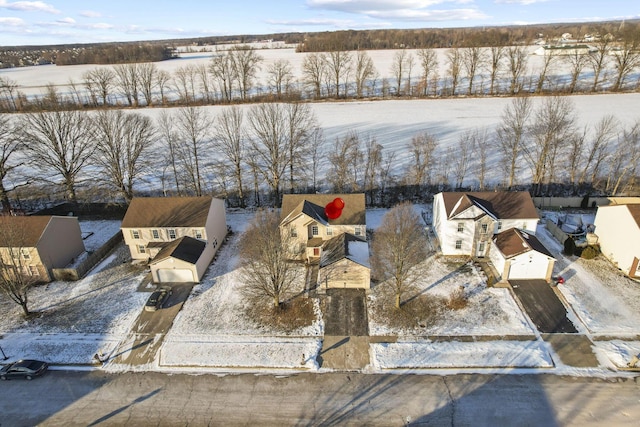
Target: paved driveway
543,306
345,313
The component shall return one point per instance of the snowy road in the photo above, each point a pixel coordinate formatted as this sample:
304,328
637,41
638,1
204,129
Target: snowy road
77,398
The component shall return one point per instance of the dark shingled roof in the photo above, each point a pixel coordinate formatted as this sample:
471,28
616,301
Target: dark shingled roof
513,242
313,206
499,204
22,231
167,212
185,248
337,248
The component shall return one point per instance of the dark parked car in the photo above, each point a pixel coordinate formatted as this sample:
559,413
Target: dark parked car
23,369
157,298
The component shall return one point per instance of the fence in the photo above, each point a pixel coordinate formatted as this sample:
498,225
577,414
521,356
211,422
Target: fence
77,273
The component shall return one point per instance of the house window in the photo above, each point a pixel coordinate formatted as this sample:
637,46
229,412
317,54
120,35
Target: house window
142,249
329,231
460,227
197,234
215,242
481,247
314,230
484,228
358,231
25,253
135,234
172,233
499,225
458,244
293,232
34,270
155,234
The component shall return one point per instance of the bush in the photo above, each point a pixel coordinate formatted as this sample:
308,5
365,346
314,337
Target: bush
590,252
457,300
569,246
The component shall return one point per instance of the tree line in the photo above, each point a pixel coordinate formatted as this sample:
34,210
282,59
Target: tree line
232,77
251,156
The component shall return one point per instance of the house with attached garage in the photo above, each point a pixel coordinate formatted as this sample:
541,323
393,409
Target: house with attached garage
465,222
34,245
618,231
518,254
329,230
178,236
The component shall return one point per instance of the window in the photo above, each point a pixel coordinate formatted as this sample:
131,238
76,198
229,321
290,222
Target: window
172,233
358,231
499,225
481,247
524,225
314,230
484,228
197,234
329,231
293,232
142,249
316,251
34,270
155,234
460,227
25,253
135,234
458,244
215,242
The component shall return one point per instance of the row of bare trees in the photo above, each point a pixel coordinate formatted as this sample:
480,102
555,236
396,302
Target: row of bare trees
232,76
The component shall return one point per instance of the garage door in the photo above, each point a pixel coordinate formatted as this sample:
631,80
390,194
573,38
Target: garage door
536,269
175,275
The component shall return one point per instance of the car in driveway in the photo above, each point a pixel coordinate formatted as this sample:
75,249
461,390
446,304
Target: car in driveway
158,298
26,369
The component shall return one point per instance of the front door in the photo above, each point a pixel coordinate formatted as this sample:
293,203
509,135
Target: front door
481,249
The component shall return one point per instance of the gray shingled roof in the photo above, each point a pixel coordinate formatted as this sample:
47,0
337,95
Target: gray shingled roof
167,212
185,248
498,204
313,206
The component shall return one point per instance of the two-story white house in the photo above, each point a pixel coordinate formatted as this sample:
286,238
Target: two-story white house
303,219
465,223
170,226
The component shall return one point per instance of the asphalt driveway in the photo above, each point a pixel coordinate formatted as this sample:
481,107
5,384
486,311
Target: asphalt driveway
345,313
543,306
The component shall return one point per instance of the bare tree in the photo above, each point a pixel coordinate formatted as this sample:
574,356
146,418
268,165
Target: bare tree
186,83
121,140
577,60
462,159
625,160
205,85
193,126
127,79
626,58
169,137
497,54
230,141
517,60
314,71
246,64
316,156
279,77
224,72
163,78
342,159
553,124
399,68
10,149
372,166
454,60
338,66
57,143
8,93
147,74
16,275
473,62
548,61
301,122
99,82
481,147
599,59
599,148
265,267
399,246
511,134
364,71
429,62
422,149
576,155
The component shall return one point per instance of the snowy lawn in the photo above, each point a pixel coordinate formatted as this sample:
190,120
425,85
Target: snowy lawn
213,328
490,311
73,320
96,233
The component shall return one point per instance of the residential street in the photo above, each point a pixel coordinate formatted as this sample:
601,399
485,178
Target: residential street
96,398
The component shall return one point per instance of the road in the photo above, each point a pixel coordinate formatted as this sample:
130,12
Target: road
138,399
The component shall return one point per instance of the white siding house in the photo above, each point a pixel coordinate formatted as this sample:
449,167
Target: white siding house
517,254
618,231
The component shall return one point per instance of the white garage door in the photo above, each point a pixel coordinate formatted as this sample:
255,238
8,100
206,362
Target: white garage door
536,269
175,275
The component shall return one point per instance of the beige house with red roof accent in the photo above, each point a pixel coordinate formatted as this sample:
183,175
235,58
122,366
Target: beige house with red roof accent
303,219
465,223
35,245
163,229
618,231
518,254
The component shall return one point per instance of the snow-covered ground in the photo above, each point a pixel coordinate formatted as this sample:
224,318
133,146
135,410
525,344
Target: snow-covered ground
213,333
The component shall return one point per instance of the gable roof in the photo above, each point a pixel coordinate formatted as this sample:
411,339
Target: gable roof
313,205
498,204
513,242
167,212
185,249
22,231
343,246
